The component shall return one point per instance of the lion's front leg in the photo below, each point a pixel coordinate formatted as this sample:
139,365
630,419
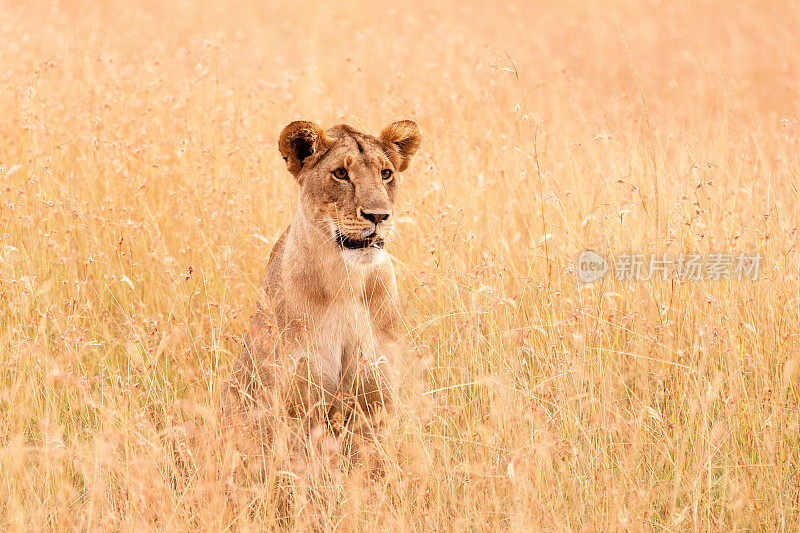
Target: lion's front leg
371,407
312,391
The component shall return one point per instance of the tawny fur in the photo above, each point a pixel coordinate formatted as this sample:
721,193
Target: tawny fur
325,337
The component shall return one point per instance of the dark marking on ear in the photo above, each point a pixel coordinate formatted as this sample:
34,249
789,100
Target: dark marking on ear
299,141
303,148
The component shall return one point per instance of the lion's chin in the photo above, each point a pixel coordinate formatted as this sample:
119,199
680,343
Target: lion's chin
364,257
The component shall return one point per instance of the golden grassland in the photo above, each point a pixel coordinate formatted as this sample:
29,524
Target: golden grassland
141,190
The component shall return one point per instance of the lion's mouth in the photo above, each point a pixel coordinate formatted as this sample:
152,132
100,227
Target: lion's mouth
349,243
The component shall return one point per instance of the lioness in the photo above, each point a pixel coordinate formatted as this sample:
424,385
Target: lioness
326,329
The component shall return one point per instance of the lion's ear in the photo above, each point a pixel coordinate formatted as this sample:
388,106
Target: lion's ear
300,140
401,140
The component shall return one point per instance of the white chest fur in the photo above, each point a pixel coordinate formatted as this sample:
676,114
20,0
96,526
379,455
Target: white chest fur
342,336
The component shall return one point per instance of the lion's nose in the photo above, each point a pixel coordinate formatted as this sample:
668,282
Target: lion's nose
376,216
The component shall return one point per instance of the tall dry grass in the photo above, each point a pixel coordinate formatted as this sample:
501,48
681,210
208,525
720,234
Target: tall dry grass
141,190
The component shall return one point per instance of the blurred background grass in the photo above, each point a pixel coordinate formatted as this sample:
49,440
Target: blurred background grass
141,191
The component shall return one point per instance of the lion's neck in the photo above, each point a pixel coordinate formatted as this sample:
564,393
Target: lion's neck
315,268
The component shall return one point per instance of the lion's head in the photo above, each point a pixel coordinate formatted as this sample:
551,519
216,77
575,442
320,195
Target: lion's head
348,181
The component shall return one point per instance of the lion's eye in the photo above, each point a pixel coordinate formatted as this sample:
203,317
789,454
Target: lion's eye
386,174
340,173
